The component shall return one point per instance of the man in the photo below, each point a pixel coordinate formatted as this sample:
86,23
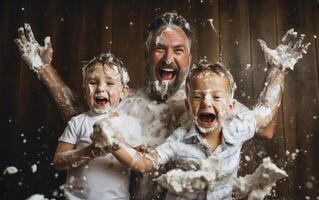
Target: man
160,107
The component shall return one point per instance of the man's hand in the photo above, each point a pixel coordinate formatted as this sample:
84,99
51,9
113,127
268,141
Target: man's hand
289,51
105,137
35,56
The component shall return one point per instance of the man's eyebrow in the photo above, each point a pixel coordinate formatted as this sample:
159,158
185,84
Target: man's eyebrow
179,46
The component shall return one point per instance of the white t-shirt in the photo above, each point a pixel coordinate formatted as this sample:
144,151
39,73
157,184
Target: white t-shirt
103,177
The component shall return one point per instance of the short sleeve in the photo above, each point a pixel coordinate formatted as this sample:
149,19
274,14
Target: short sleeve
69,134
239,128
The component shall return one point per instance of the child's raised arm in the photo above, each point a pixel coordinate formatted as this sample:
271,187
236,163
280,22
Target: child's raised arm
280,60
39,58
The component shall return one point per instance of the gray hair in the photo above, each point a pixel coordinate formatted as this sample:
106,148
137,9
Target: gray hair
168,19
110,60
217,68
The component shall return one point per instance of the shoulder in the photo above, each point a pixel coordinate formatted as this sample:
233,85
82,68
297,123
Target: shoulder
179,134
239,127
78,119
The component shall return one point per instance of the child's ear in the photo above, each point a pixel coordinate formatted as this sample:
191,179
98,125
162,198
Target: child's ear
124,93
231,105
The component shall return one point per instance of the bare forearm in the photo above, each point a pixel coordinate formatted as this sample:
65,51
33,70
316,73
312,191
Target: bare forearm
133,159
270,98
66,101
72,158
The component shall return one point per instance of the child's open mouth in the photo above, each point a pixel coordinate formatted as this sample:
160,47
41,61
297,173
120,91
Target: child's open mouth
206,119
101,101
166,73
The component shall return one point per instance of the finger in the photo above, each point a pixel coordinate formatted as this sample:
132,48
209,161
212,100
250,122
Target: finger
286,37
29,32
47,43
304,50
262,44
293,39
22,35
299,42
19,44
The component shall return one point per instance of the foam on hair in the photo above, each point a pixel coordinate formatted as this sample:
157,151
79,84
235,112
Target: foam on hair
217,68
110,60
168,19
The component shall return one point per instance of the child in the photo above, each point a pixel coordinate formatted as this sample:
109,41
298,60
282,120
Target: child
210,89
92,174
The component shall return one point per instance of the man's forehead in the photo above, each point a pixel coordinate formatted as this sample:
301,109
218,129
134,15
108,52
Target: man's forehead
170,33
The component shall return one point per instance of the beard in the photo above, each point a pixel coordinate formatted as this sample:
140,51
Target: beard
163,89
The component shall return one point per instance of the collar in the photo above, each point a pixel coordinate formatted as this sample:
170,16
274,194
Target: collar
194,137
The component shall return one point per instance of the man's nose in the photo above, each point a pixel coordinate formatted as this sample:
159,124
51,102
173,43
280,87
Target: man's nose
169,57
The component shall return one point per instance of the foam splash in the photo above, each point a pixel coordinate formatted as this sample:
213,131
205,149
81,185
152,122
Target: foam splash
256,186
259,184
37,197
10,170
212,24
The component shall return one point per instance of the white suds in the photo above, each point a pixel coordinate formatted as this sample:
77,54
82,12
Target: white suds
37,197
209,175
34,168
10,170
212,24
258,185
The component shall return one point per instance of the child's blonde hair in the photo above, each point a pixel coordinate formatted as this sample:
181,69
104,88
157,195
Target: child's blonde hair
217,68
111,61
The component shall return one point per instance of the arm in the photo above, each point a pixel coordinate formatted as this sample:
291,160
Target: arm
135,160
280,60
106,138
39,58
67,157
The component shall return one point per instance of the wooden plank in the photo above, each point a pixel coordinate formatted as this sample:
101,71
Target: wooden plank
235,46
207,28
10,18
263,26
128,39
300,99
315,147
235,54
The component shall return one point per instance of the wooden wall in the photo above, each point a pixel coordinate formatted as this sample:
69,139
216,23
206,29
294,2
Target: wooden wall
30,124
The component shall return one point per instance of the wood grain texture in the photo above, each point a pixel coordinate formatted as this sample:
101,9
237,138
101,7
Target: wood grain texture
79,30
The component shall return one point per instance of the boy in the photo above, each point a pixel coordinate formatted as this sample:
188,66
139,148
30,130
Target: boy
210,89
92,174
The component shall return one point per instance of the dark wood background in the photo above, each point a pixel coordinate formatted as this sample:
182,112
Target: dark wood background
30,124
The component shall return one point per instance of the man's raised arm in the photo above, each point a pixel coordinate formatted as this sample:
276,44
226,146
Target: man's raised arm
39,58
280,60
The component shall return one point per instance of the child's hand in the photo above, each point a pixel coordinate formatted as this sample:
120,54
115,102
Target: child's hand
35,56
105,137
287,54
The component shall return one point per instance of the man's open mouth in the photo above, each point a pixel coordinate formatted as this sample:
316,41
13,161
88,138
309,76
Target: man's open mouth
166,73
206,119
101,101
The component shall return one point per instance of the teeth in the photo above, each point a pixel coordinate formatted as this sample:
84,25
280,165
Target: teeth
167,69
